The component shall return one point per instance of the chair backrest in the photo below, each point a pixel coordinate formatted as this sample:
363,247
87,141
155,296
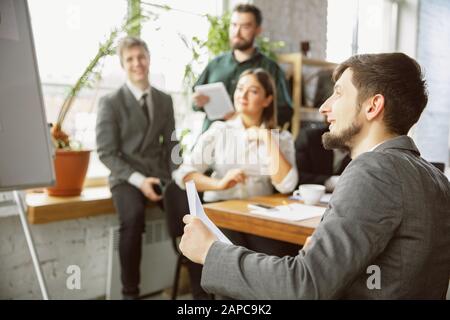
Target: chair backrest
325,86
439,165
175,206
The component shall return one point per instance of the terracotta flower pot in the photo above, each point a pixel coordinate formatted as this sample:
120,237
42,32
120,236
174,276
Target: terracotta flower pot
70,170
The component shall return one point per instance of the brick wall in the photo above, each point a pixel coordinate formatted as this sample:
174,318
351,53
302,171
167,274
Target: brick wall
82,242
293,21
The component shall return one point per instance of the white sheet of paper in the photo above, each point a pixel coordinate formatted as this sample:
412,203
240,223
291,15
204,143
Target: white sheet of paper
219,101
196,209
324,199
292,212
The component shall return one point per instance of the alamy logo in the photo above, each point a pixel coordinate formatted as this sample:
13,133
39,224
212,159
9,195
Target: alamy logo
230,147
374,280
74,279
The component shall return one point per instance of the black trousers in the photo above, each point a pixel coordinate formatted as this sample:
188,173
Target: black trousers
130,205
176,206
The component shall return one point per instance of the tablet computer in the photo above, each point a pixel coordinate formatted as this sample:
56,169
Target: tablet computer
219,101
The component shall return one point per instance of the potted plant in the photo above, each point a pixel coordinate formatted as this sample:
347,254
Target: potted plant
71,160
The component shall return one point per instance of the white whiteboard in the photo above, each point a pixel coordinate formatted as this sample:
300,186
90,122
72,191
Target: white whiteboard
26,154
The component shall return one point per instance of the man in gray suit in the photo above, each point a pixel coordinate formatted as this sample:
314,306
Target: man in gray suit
134,140
386,231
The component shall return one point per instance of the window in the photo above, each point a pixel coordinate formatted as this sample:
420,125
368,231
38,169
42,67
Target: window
64,46
356,26
66,43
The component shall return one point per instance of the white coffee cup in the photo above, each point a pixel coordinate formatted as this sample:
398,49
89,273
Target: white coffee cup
310,193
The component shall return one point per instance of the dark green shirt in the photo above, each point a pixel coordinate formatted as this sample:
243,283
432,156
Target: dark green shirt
225,68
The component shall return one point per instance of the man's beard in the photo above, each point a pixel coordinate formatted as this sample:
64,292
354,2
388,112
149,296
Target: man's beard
341,140
242,45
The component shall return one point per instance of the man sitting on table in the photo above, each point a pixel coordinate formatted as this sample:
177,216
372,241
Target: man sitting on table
386,231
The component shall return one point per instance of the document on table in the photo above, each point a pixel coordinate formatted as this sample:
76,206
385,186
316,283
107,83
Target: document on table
219,101
196,209
292,212
324,199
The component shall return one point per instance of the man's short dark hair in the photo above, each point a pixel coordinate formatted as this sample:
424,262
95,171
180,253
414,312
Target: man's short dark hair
398,78
249,8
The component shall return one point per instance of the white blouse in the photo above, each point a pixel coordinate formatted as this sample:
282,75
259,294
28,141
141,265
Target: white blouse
225,146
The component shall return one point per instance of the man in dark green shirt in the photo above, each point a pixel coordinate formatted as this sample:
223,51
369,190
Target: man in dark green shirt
245,26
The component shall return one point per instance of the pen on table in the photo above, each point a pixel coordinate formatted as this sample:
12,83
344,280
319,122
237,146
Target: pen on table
257,206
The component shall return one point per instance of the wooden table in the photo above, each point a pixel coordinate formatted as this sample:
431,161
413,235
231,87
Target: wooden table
234,215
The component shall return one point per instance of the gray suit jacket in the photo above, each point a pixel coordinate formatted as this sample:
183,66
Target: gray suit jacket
390,208
125,143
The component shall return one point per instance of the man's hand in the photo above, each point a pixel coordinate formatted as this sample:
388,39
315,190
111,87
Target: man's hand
148,191
200,99
196,240
231,178
307,242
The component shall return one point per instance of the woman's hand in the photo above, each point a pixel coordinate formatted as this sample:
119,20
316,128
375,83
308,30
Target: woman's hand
231,178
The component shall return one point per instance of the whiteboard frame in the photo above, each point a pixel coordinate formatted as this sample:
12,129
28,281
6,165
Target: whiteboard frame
49,150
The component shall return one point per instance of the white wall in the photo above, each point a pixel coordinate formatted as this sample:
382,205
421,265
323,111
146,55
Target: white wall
82,242
408,23
433,53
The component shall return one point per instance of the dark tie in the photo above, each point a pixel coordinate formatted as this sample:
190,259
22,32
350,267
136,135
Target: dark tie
145,107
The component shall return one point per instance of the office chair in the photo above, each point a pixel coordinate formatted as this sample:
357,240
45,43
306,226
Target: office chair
439,165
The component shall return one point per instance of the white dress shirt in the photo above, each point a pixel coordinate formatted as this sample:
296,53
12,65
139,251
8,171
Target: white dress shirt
137,178
225,146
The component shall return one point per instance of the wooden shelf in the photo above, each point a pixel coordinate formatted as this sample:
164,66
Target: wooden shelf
93,201
311,114
43,208
297,61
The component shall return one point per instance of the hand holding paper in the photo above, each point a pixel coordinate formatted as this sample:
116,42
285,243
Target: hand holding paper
196,209
199,233
197,239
